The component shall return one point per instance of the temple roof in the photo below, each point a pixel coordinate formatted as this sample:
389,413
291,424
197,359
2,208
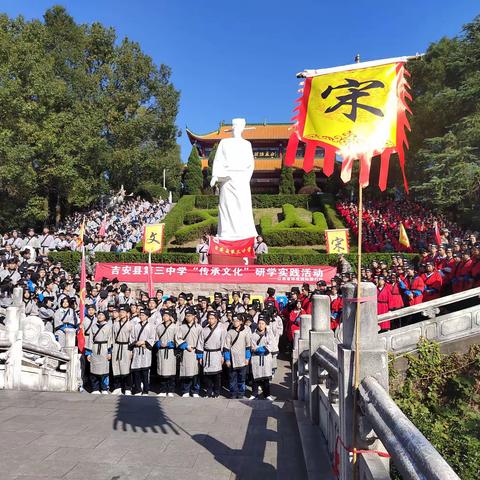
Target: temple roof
259,131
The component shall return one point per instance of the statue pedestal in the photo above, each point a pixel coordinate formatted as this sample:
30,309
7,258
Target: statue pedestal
219,259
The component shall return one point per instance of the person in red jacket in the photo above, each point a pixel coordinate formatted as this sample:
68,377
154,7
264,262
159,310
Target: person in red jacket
383,301
396,296
412,287
305,298
271,297
294,321
476,265
336,306
433,283
463,279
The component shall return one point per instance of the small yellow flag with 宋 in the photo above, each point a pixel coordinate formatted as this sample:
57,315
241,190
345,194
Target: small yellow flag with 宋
153,238
403,239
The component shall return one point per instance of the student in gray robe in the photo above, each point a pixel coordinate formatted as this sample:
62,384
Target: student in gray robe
261,346
31,307
276,328
121,355
65,318
237,354
181,308
186,339
142,339
98,350
209,353
88,322
47,313
166,359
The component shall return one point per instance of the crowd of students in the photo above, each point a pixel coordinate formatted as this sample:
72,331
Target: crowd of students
116,228
381,224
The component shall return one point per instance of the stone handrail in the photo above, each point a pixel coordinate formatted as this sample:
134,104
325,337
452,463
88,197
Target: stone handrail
431,308
322,379
413,455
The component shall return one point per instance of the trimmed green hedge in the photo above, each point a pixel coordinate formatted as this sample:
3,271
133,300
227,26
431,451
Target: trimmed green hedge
263,201
202,222
315,258
292,230
70,260
175,218
328,207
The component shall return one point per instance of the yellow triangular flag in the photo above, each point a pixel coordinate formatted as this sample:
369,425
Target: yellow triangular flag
403,239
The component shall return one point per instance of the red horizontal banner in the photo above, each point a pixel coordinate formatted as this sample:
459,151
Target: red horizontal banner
187,273
236,248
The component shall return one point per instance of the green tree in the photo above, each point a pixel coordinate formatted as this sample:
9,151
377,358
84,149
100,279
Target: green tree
309,179
287,186
444,162
193,180
208,171
81,114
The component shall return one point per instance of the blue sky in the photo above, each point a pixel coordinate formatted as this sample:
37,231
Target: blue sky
239,59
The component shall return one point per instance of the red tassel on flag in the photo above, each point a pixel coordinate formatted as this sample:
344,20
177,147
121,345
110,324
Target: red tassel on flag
291,152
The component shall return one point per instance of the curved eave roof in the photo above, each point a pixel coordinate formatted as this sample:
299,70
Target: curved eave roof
260,131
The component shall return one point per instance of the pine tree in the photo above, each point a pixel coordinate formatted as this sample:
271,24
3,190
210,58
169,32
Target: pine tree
287,185
193,177
208,170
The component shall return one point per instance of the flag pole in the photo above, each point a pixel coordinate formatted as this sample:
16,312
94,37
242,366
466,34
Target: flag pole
358,315
150,278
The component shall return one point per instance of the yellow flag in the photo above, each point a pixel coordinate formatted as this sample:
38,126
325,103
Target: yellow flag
81,233
153,238
356,112
337,240
403,239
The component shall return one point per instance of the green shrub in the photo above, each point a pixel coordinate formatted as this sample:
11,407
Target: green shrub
261,201
328,207
175,218
287,185
70,260
293,230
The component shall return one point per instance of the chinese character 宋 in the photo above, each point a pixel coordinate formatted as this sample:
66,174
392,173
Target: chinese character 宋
357,90
337,244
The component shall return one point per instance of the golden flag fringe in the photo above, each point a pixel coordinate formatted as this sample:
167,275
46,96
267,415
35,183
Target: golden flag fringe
357,111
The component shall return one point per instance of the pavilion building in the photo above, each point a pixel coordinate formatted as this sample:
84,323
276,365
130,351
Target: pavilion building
269,142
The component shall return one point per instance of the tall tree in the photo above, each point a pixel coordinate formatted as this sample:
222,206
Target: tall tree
193,179
287,185
81,114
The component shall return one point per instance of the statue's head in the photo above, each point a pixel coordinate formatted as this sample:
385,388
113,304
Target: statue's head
238,126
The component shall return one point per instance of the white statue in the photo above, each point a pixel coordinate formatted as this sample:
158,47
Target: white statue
233,168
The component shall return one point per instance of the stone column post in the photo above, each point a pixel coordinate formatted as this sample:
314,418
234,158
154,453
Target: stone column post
373,362
303,352
321,334
294,369
73,364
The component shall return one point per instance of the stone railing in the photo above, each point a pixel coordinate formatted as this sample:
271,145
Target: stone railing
323,382
31,358
447,319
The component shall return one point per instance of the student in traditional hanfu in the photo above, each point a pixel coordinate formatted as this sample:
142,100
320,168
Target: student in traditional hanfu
261,345
237,354
142,339
276,328
166,359
98,352
186,339
121,355
209,353
65,318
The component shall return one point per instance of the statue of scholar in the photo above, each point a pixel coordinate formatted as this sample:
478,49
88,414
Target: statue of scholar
232,169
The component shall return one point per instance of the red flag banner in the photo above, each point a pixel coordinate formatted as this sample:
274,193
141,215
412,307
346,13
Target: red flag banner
83,294
194,273
438,238
233,248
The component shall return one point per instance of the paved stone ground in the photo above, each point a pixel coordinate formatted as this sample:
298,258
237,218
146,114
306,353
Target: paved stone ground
74,436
